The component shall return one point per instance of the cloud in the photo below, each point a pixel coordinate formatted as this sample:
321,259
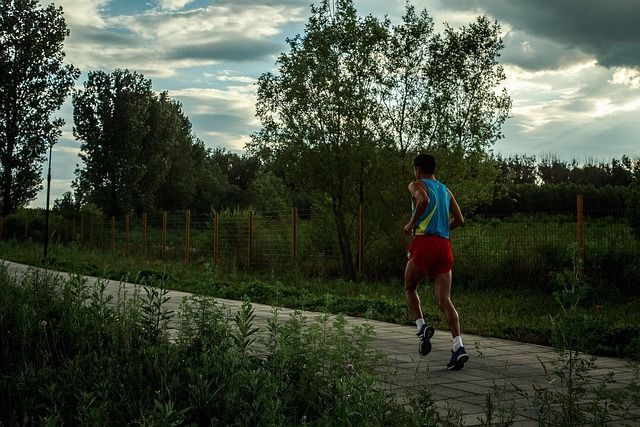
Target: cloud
606,30
221,117
227,49
161,42
173,4
584,109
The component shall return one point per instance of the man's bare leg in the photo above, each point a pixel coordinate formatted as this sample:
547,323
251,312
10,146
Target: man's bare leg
413,276
442,288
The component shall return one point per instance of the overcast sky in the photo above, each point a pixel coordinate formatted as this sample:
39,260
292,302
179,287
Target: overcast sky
572,66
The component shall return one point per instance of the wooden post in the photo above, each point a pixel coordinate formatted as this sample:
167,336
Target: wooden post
126,234
361,242
73,231
81,229
187,234
216,226
144,235
102,232
113,233
250,246
26,229
580,208
294,234
164,233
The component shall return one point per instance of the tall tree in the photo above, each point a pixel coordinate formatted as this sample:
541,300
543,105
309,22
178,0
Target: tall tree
405,91
317,111
110,115
138,149
34,83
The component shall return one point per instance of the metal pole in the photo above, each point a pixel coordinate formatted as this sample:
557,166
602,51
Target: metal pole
580,208
46,212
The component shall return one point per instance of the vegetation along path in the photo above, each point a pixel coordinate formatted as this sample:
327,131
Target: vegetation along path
500,370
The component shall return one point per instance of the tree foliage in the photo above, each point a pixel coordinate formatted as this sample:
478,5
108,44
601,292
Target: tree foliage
354,97
34,83
137,147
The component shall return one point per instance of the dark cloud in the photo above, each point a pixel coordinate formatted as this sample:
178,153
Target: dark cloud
119,38
608,30
535,53
233,48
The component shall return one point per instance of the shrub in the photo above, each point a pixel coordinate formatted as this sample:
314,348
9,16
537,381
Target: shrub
74,354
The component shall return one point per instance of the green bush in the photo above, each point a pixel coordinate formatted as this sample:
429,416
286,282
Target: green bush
71,355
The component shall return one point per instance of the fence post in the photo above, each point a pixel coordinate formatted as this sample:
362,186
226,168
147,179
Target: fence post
580,209
144,234
113,233
187,234
250,246
216,227
73,231
102,232
294,234
164,233
126,234
361,241
81,229
26,229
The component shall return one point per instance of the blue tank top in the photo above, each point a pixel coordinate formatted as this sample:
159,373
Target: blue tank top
435,219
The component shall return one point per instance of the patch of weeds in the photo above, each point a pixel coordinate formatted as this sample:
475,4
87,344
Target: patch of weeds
573,397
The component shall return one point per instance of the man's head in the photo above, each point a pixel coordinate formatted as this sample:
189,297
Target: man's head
424,163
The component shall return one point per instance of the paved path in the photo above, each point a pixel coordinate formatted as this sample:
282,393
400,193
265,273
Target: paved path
494,362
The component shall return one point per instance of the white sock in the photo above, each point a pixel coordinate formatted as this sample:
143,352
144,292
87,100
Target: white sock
457,343
419,324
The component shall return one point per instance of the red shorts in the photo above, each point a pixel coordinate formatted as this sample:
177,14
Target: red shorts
431,254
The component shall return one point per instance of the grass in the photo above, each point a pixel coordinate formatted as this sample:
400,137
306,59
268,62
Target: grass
522,314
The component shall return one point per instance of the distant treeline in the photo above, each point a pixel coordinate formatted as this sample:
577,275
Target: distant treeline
550,185
524,169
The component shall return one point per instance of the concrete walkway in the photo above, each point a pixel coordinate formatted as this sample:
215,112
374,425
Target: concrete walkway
496,367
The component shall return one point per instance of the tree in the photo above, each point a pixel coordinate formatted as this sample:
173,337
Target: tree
466,106
138,149
353,98
34,83
318,111
404,93
66,205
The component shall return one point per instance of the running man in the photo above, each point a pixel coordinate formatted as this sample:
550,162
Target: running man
435,214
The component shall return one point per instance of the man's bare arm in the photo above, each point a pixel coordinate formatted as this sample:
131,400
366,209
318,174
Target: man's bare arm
456,214
421,198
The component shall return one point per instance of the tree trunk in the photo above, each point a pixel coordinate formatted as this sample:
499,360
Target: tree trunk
7,199
7,170
343,240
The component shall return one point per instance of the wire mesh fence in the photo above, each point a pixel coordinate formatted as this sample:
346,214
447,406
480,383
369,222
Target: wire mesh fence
489,249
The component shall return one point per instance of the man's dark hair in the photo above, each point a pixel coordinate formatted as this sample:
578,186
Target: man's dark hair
426,163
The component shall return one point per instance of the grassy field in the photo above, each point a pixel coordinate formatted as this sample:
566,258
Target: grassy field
521,313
